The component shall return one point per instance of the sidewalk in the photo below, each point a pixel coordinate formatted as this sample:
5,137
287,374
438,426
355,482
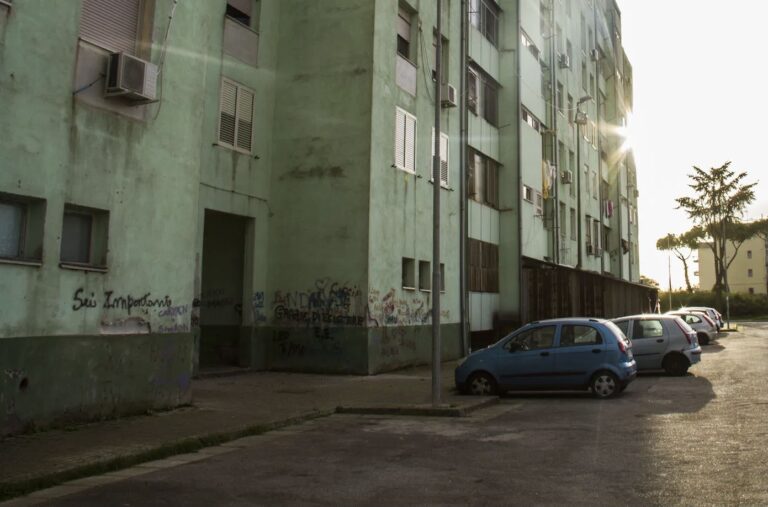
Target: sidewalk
224,408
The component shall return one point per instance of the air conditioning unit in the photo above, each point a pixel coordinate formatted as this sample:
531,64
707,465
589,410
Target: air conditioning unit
131,78
567,176
565,61
590,249
449,98
594,54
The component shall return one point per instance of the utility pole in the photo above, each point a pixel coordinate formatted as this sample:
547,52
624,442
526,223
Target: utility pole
436,342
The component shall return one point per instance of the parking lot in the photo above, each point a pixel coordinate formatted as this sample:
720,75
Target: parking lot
693,440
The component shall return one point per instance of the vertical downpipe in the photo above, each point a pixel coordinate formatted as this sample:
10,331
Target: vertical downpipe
463,181
555,151
436,345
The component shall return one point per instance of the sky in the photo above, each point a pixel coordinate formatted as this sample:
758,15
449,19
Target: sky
700,87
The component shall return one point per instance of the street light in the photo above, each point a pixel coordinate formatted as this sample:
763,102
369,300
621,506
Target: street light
581,119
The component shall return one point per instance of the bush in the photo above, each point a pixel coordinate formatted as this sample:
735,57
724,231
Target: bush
741,305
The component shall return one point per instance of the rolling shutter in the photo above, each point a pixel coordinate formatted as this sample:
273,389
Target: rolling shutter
399,138
111,24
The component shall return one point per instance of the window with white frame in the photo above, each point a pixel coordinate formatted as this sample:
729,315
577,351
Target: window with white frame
235,116
111,26
405,141
531,120
527,193
443,158
527,42
539,204
596,233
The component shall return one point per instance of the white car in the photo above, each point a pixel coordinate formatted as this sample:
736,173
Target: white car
706,329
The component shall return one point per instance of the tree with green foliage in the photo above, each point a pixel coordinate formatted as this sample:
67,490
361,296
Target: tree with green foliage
682,246
716,208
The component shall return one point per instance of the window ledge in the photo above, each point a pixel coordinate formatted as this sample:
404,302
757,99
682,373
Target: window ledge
428,291
408,288
21,262
82,267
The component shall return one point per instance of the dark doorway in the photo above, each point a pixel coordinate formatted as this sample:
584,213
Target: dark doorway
221,295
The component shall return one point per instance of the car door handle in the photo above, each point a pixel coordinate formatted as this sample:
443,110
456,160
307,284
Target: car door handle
659,340
544,353
596,351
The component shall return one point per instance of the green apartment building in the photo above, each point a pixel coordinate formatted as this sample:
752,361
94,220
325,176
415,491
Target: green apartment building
191,186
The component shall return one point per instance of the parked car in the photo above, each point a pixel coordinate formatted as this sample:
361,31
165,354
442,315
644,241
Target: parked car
711,313
574,353
706,329
661,341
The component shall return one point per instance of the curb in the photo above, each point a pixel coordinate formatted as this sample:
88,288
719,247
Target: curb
420,410
21,487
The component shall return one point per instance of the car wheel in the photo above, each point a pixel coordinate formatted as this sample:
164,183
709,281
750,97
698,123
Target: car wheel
703,339
481,384
604,385
676,365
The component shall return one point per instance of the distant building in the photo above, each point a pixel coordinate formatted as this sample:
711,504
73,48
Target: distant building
199,186
747,274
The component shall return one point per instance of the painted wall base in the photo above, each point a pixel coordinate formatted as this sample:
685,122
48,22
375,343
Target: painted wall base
350,350
59,380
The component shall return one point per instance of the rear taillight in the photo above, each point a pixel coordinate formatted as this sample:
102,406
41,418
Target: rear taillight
688,335
622,345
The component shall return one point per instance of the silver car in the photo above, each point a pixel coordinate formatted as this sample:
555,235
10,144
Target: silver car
713,314
661,341
706,330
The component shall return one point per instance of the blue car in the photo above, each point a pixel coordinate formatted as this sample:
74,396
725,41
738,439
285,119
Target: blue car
574,353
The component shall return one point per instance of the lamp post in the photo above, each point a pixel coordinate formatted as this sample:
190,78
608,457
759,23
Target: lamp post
581,119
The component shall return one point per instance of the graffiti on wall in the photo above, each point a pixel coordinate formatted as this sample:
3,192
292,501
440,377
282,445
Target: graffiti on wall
328,302
390,310
257,308
138,311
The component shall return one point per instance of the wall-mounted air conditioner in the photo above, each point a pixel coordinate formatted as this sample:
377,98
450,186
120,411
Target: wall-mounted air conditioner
449,98
564,61
131,78
567,176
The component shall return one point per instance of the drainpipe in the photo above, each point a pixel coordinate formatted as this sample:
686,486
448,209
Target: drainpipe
600,195
555,152
518,100
463,219
436,187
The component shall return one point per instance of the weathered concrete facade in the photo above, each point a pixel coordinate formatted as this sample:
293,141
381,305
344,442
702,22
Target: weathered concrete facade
272,209
279,248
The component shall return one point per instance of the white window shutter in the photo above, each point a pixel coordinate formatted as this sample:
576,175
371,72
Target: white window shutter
111,24
399,138
227,115
244,119
410,143
443,159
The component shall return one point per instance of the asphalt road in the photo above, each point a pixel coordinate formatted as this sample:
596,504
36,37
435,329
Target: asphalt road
695,440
